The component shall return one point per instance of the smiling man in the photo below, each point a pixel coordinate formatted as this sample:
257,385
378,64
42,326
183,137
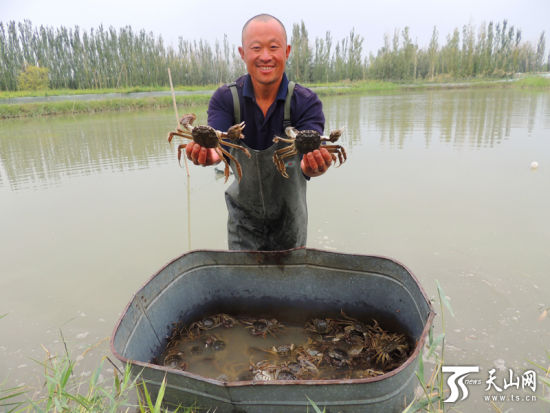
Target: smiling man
266,210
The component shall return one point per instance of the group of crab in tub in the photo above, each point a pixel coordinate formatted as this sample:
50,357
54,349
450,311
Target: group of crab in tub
336,348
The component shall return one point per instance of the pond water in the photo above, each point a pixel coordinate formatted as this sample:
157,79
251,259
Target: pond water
91,206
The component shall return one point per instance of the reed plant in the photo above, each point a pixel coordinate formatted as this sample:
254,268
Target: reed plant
433,391
9,396
545,380
64,393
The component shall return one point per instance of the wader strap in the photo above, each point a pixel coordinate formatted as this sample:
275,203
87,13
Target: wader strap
236,105
286,121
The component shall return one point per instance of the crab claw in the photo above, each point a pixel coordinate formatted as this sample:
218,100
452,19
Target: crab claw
235,131
335,134
187,120
291,132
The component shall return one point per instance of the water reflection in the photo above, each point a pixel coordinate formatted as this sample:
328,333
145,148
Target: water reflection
42,152
461,118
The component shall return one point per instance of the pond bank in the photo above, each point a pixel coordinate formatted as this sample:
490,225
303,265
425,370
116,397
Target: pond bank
22,104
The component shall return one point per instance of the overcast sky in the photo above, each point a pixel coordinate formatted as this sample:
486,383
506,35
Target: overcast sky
211,19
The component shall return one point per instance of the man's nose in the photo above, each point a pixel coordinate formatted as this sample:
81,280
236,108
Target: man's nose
265,55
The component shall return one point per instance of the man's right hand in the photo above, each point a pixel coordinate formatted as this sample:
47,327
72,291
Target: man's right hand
200,155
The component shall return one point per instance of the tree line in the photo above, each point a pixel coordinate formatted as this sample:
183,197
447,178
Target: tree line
107,58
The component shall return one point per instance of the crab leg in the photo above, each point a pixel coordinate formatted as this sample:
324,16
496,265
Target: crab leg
342,156
289,153
180,150
285,150
279,161
277,156
242,148
280,165
182,133
226,170
237,164
278,138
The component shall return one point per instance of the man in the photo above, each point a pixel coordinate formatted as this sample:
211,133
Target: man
266,210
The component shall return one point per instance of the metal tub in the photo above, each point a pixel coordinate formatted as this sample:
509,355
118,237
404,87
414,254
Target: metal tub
299,283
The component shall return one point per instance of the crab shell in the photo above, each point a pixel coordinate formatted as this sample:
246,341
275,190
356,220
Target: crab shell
205,136
307,141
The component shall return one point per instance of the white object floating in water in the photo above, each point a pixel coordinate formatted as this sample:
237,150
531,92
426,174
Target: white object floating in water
534,165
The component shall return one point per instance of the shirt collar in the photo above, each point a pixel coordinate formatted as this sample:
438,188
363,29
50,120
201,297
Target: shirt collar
248,89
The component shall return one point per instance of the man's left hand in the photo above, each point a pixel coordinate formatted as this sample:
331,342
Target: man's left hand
316,163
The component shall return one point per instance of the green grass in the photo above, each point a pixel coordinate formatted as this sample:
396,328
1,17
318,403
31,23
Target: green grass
533,82
63,392
59,92
8,110
433,388
107,105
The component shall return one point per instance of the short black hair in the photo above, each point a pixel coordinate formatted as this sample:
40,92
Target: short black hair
263,17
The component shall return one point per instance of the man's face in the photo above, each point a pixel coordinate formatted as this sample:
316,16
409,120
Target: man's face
265,51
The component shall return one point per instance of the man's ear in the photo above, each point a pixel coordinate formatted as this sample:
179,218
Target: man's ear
241,52
287,50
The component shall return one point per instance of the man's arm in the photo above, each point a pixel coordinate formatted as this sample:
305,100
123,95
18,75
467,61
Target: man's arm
310,116
219,118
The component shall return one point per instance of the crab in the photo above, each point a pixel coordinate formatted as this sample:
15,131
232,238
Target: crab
302,142
337,357
264,370
283,350
212,342
208,323
320,326
262,327
174,360
209,137
390,349
309,355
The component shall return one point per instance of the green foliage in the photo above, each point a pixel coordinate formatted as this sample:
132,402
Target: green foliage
92,106
123,58
10,398
544,380
33,78
433,387
533,82
316,408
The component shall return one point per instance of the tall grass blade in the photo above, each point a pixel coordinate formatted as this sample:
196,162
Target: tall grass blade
435,343
420,371
443,298
160,396
315,407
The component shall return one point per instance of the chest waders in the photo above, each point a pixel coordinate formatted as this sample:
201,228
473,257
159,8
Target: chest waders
267,212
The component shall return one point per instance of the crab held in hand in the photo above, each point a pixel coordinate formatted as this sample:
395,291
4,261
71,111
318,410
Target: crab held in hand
302,142
209,137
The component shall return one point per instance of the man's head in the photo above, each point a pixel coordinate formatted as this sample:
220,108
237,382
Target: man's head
264,49
264,17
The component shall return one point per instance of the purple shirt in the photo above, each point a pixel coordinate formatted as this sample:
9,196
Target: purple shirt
306,112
